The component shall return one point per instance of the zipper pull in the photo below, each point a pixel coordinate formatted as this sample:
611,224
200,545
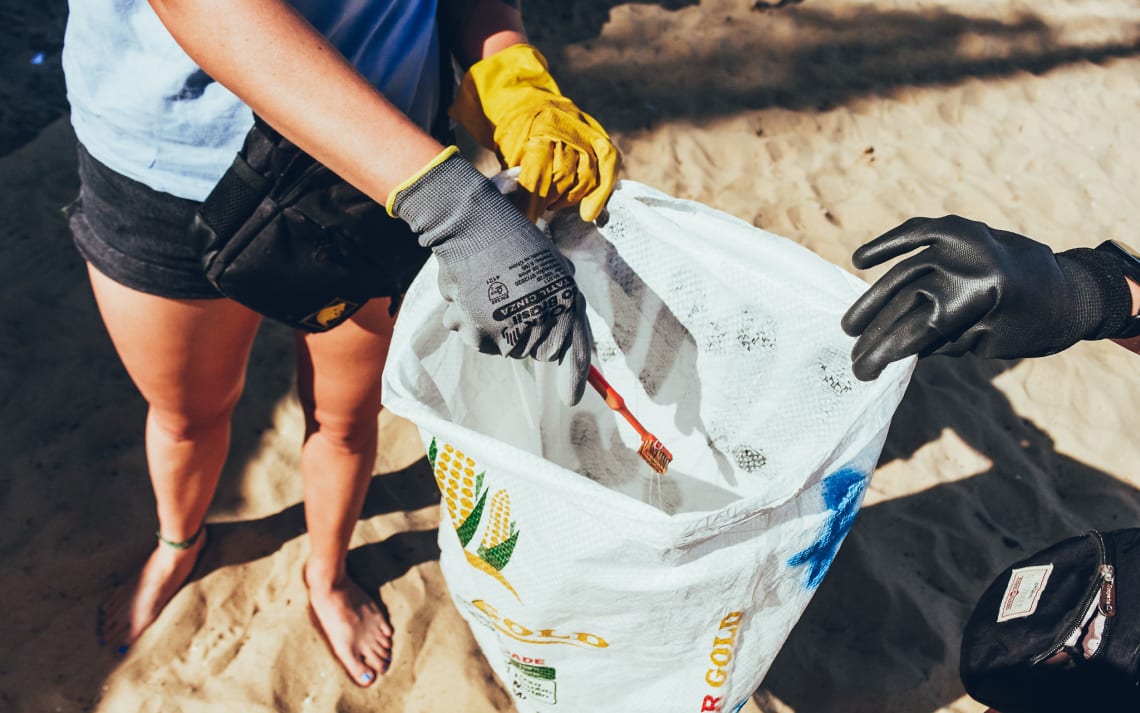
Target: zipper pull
1107,605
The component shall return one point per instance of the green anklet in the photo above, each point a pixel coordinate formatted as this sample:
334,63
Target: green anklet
185,544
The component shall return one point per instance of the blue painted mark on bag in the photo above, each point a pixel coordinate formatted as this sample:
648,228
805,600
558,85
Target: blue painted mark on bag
842,494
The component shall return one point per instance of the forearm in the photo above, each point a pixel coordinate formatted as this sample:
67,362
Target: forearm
479,28
302,86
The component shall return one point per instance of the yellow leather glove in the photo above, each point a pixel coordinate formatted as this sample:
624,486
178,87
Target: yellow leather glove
510,104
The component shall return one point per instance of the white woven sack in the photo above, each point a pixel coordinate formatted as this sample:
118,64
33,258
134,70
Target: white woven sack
591,583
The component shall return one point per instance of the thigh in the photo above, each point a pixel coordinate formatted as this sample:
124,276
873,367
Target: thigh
339,371
187,356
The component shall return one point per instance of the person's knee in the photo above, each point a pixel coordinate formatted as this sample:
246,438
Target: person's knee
187,422
350,432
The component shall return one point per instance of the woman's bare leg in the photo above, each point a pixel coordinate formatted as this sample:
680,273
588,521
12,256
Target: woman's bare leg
339,384
187,358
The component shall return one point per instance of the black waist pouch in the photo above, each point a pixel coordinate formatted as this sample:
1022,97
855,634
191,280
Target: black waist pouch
1060,630
287,237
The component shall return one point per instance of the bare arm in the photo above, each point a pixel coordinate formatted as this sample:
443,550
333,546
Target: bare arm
479,28
301,85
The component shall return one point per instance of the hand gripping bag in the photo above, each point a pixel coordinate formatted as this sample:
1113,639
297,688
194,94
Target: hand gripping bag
591,583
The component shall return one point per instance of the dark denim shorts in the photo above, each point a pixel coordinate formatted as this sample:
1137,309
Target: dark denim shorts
135,235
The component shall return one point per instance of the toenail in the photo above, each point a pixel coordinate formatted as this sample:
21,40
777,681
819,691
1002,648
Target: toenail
366,677
122,649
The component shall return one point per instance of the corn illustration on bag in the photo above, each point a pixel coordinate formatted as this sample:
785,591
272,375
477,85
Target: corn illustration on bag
590,582
465,500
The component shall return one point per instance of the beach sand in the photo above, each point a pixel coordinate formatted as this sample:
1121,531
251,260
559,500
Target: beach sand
827,122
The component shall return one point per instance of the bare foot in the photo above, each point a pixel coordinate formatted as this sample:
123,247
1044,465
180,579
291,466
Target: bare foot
135,604
354,627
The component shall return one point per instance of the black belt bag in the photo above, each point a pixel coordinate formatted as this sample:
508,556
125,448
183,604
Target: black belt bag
1060,630
287,237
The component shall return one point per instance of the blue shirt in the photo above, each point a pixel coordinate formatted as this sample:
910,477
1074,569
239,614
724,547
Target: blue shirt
142,107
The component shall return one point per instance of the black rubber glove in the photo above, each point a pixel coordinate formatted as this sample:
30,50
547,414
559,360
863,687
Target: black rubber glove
509,290
975,289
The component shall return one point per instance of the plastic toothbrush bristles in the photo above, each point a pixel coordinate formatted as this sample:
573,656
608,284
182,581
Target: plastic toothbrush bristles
652,450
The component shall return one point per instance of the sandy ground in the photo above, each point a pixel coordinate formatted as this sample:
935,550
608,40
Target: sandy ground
823,121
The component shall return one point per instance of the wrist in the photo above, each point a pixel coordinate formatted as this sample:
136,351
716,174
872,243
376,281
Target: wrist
1101,300
1127,262
404,185
1134,291
434,200
455,209
476,30
500,41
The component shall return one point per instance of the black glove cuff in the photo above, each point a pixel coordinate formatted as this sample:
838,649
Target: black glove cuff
1102,300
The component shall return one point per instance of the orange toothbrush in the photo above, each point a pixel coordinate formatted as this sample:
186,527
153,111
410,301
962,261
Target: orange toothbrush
652,451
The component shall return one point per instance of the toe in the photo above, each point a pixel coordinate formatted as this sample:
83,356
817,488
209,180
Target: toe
378,651
375,616
367,675
375,659
382,643
366,679
359,670
383,634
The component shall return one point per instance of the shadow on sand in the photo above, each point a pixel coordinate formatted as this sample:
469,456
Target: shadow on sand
907,578
792,56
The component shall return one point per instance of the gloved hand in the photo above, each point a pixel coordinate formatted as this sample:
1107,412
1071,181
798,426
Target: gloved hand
976,289
509,291
510,104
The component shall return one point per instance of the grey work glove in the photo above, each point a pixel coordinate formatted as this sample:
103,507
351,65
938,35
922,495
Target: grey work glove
976,289
509,290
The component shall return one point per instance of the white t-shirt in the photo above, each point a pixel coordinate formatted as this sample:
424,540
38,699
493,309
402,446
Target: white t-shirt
143,108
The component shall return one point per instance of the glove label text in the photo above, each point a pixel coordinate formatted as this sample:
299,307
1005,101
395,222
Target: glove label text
539,307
